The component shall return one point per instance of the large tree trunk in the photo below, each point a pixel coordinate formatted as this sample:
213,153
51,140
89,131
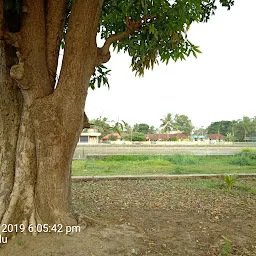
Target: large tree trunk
36,168
10,112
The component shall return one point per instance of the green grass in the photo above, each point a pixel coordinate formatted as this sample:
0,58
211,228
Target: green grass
156,164
241,186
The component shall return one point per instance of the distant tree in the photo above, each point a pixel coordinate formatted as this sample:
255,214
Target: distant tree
236,130
144,128
127,128
182,123
244,128
101,124
138,136
230,137
166,123
223,127
112,138
173,139
152,130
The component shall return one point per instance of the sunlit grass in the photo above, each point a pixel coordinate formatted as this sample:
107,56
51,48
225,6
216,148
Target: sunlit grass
156,164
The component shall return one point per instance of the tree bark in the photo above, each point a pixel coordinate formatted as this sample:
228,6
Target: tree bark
10,112
47,129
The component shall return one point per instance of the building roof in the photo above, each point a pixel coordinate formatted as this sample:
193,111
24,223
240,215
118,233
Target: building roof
216,136
165,137
198,136
106,137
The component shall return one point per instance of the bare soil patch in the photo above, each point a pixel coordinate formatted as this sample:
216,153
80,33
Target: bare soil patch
154,217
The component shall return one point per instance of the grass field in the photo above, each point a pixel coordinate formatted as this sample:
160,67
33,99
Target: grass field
245,162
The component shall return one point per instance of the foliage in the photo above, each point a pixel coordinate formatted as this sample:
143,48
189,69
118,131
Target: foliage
138,136
242,160
112,138
129,158
166,123
101,124
182,123
183,159
244,128
143,128
230,137
249,152
156,30
152,130
222,127
173,139
226,250
230,180
236,130
100,77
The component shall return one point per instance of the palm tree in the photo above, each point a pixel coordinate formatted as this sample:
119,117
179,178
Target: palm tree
166,123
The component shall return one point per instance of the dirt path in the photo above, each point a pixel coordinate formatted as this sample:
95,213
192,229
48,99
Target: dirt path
153,217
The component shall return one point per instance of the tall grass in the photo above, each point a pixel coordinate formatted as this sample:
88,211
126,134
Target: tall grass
184,159
130,158
159,164
245,157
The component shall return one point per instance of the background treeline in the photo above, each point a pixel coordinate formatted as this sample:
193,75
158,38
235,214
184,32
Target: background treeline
235,130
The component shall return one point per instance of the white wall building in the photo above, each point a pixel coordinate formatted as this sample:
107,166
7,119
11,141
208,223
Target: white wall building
89,137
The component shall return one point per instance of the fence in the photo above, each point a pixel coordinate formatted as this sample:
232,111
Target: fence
83,151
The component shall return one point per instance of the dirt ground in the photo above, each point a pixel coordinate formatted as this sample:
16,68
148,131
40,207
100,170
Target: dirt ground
154,217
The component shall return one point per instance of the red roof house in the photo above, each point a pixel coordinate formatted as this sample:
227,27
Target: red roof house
165,137
216,136
106,137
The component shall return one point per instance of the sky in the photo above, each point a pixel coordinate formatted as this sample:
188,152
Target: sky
219,85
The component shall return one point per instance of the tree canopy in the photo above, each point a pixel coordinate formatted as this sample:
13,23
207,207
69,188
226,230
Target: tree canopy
151,31
238,130
182,123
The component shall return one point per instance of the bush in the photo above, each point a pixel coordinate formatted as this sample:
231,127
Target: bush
183,159
173,139
242,160
249,152
112,138
138,136
128,158
230,180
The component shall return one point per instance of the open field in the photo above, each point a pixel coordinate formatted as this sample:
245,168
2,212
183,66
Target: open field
157,164
156,217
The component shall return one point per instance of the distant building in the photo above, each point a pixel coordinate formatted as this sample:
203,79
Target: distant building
118,136
198,137
91,136
165,137
217,137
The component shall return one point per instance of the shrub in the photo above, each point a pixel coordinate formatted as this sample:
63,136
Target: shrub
112,138
183,159
230,180
128,158
249,152
242,160
138,136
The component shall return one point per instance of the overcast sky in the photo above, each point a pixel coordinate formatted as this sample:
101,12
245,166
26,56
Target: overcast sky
219,85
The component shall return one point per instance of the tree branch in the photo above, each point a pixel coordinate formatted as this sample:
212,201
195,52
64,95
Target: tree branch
131,27
86,123
55,19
